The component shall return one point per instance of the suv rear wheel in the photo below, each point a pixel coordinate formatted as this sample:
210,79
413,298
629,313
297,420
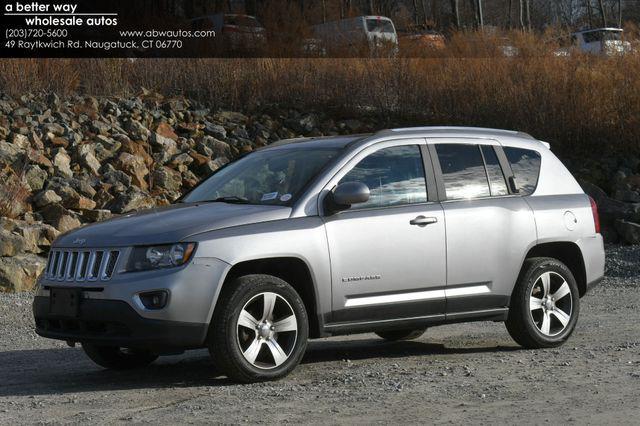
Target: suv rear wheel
259,332
545,304
396,335
116,358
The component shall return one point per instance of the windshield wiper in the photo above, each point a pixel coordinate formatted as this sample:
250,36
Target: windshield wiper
230,199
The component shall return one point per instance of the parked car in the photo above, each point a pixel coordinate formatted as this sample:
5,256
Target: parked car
389,233
599,41
235,33
373,35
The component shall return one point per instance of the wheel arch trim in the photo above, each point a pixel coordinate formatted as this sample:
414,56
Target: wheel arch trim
567,252
307,287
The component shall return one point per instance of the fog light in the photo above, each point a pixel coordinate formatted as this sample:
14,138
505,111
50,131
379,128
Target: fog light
154,299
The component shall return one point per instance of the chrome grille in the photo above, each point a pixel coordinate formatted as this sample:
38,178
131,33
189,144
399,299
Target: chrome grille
81,265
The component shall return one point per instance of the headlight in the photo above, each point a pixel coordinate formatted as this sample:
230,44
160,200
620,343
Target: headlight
157,257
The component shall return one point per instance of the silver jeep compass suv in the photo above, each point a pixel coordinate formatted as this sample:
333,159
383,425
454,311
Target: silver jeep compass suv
388,233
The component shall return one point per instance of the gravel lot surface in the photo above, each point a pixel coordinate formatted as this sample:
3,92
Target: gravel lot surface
452,374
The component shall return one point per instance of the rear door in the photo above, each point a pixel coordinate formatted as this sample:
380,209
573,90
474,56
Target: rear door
488,227
388,255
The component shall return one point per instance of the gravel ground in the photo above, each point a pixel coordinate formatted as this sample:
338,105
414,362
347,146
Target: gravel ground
452,374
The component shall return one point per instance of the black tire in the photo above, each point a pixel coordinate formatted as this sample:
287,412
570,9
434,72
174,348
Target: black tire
523,323
397,335
225,340
115,358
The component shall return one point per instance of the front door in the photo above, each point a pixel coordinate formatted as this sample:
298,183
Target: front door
387,255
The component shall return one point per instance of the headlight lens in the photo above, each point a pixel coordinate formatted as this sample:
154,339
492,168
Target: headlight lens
157,257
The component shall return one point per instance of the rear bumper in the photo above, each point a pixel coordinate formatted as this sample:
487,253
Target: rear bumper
593,253
593,284
116,323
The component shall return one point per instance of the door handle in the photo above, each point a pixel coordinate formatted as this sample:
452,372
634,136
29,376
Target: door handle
423,221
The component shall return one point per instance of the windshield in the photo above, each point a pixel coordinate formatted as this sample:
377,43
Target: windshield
379,26
602,36
270,177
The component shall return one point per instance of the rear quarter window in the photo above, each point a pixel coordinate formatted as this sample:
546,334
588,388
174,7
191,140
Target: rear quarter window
525,164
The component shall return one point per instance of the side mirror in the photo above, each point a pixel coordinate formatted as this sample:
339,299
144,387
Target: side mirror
346,194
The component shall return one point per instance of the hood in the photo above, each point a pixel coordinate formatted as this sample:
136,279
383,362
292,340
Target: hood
169,224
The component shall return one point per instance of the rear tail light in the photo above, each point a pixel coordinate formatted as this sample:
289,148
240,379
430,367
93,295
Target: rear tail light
596,216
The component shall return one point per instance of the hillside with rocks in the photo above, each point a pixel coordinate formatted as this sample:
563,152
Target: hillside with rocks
66,163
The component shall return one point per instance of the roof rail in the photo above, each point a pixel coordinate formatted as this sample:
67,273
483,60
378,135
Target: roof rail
457,128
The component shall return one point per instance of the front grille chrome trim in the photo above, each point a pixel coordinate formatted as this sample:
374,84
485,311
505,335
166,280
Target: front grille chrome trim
81,265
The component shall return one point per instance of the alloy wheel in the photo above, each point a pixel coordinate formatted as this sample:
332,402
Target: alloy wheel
550,303
267,330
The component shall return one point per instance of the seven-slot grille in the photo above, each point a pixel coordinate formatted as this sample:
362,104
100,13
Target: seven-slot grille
81,265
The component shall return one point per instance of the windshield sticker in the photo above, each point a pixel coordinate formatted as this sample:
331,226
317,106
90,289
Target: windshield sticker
270,196
285,198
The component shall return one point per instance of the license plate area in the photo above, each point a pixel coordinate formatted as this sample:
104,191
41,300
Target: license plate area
64,302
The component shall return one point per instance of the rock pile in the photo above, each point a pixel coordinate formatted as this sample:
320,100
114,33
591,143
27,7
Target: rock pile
619,205
67,163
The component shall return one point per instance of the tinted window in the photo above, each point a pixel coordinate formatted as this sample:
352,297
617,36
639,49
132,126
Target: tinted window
463,171
595,36
395,176
379,26
525,165
497,182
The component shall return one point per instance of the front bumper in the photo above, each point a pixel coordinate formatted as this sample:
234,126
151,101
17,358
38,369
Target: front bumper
192,289
111,312
115,323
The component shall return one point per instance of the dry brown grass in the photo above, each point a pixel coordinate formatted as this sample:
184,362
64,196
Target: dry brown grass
581,104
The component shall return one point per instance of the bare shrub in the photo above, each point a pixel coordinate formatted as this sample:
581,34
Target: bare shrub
27,75
579,103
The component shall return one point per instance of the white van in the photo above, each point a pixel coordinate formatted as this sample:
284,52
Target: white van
601,41
363,34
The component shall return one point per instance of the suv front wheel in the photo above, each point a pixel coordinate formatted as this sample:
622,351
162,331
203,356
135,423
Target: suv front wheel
259,332
545,304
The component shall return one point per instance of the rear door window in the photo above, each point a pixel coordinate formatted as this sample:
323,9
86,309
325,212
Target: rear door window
525,164
463,171
395,176
497,182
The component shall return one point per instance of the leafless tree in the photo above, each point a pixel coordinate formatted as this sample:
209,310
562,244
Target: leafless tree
434,11
424,10
521,14
602,13
455,8
589,12
480,14
619,13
